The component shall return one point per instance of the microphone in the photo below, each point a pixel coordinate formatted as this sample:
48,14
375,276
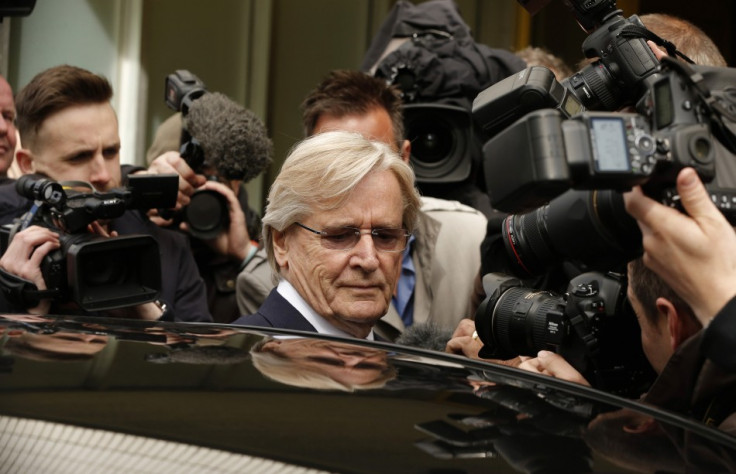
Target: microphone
425,336
233,139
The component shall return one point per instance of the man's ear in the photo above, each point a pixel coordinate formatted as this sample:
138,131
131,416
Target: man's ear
679,324
25,161
405,151
280,248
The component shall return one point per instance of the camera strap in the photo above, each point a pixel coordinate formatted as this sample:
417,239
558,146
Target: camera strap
714,108
635,31
21,292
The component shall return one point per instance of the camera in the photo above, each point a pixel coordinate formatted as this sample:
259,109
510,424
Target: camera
442,142
560,167
592,229
95,272
207,213
591,325
605,150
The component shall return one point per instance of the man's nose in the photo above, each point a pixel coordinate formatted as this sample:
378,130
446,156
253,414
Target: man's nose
365,251
99,174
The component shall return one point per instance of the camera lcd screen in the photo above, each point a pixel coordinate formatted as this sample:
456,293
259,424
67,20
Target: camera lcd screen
609,144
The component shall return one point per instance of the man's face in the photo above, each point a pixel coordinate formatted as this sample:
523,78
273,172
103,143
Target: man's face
655,338
7,126
345,363
374,125
351,289
80,143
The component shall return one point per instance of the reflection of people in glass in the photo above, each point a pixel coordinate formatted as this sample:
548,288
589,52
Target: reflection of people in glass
320,364
59,346
633,440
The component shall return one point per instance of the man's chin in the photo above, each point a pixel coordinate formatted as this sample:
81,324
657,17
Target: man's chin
364,312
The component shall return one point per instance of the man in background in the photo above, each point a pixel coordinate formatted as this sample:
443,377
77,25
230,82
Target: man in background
443,256
69,132
7,128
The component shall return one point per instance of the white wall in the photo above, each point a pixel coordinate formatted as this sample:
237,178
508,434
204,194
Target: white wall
99,35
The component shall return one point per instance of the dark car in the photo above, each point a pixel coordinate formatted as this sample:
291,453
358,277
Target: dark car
112,395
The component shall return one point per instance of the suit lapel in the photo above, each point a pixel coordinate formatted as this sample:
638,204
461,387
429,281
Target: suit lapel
281,314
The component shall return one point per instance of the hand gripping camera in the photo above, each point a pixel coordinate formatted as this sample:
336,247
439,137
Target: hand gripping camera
591,325
95,272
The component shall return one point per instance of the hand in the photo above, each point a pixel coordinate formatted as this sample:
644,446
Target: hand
659,53
694,253
24,256
235,240
171,162
465,340
146,311
549,363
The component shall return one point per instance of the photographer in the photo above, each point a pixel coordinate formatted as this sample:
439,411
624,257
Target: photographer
70,133
235,148
672,337
695,253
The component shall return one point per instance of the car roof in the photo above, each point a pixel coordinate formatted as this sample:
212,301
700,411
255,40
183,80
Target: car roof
120,395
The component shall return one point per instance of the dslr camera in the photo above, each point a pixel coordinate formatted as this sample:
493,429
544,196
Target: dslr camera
207,213
96,272
585,325
571,163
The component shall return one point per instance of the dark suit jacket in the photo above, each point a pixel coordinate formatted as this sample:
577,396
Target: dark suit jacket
276,312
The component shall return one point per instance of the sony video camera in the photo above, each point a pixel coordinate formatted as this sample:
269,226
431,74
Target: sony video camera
97,273
591,325
207,212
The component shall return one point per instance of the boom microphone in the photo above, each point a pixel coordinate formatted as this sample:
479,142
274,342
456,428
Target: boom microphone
234,140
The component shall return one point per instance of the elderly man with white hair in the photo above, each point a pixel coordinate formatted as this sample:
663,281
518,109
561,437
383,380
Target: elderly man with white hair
338,217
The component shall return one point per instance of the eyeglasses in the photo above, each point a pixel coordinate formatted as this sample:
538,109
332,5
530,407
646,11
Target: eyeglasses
345,237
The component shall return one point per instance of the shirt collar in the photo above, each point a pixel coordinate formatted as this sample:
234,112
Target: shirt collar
322,326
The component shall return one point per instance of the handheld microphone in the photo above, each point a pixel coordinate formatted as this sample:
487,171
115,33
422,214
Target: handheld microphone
222,134
234,140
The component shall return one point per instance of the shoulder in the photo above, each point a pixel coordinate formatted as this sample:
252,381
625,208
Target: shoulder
443,219
253,320
135,222
12,204
438,207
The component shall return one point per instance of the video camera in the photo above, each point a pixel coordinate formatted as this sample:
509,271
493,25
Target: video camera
591,325
207,213
97,273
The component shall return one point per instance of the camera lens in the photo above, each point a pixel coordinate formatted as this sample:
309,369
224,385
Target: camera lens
431,141
441,142
594,87
526,321
98,272
207,214
592,227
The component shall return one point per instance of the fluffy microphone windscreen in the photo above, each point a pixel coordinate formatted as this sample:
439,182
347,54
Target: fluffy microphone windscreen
234,140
